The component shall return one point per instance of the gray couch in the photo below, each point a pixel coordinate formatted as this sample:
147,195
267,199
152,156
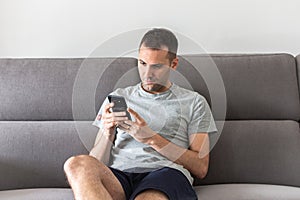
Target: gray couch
47,106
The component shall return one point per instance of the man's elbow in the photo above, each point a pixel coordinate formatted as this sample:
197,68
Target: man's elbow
201,174
203,169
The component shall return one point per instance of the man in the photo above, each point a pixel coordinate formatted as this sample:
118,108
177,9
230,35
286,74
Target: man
153,155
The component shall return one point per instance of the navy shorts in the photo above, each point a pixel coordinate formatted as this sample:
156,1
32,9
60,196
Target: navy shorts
170,181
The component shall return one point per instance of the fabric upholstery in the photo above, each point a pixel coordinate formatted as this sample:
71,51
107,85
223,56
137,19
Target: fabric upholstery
38,194
298,69
48,105
43,89
257,86
208,192
256,151
247,192
32,153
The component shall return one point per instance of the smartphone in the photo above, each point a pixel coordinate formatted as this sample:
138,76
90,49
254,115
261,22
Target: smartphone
119,104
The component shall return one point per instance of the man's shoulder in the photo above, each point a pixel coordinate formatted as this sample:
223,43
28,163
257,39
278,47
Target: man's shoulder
178,90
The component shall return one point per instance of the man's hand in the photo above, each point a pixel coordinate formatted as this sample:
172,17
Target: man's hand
112,119
138,129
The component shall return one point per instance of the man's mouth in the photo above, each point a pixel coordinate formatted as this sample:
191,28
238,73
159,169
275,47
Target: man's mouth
149,82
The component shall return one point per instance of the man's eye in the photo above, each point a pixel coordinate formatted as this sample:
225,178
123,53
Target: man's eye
157,66
142,63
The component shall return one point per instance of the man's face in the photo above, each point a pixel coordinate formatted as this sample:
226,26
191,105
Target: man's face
154,69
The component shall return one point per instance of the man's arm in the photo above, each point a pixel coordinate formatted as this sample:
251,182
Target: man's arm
102,146
106,134
195,159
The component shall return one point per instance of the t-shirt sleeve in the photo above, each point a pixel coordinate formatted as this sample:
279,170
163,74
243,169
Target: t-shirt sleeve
202,120
97,122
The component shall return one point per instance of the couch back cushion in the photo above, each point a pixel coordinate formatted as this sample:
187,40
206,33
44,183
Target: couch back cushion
256,151
260,139
258,87
55,89
298,68
32,153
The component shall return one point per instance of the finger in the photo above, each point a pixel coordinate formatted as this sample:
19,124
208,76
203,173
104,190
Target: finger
108,106
131,123
109,125
120,119
118,114
113,115
136,115
107,121
124,126
115,120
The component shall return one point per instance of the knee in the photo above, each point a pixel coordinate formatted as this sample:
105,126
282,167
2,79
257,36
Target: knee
76,164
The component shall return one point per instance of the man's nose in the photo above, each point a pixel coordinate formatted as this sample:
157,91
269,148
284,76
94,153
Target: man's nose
148,71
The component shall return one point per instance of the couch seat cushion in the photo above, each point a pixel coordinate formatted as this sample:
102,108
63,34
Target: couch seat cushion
38,194
247,191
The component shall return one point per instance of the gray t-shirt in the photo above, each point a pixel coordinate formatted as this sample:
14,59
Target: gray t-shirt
174,114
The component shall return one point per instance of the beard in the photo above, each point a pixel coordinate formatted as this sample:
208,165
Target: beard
154,88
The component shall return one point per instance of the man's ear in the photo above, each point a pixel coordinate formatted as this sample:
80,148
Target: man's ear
174,63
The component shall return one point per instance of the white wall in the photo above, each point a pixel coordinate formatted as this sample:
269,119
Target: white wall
75,28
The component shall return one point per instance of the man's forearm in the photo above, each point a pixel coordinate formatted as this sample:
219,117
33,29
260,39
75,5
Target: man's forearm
189,159
103,144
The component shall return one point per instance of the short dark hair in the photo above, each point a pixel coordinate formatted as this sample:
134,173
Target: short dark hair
159,37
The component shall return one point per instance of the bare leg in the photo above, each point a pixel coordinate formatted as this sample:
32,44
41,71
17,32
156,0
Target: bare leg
92,180
151,195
